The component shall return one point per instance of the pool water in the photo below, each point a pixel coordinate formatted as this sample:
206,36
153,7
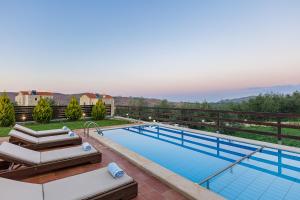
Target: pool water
267,174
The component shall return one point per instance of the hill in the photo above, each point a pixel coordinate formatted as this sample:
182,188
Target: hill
63,99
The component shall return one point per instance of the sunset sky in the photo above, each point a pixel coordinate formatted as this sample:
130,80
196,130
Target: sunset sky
151,48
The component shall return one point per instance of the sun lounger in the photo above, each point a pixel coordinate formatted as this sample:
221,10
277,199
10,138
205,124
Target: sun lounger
97,184
34,133
31,142
19,162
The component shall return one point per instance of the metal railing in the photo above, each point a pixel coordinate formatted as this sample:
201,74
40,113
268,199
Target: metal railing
220,120
86,128
218,149
207,180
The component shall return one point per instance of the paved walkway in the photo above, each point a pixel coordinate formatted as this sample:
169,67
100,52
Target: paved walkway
149,187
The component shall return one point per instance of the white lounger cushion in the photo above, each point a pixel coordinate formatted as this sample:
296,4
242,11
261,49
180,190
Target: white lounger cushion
20,153
60,154
83,185
16,190
76,187
52,131
34,157
56,138
24,136
39,133
41,140
24,129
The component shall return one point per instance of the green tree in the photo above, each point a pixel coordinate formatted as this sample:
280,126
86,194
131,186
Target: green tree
42,112
142,102
98,110
73,111
164,104
205,105
138,101
51,101
7,112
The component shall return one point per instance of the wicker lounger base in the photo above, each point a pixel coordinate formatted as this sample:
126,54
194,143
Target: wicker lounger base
125,192
29,171
28,145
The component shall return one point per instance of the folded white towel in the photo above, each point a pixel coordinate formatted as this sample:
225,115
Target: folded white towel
86,146
66,128
71,134
115,170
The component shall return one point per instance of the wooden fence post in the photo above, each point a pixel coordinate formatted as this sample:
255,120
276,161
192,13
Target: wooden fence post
218,121
279,135
157,114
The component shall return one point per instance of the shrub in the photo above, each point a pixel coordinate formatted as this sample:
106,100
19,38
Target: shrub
7,111
98,110
73,111
42,112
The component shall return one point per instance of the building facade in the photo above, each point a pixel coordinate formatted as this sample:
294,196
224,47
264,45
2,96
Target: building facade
91,99
31,98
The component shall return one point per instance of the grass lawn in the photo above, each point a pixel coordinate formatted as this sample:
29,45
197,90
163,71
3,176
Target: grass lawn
71,124
287,131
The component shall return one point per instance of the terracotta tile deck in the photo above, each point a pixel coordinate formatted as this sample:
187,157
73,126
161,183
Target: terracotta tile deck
149,187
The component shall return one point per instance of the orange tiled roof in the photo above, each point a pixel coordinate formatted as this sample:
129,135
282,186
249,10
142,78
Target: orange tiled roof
91,95
107,96
95,96
24,92
38,93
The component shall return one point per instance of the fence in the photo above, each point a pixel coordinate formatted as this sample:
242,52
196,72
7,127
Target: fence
24,113
219,120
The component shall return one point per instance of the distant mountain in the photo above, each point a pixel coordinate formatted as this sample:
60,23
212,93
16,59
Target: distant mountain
216,96
234,96
59,98
64,99
124,101
236,100
248,93
11,95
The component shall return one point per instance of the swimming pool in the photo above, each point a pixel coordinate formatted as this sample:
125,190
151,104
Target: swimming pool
230,168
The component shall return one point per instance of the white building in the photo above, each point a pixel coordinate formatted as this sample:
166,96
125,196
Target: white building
91,99
31,98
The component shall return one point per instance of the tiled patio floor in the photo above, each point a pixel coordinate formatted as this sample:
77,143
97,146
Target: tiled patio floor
149,187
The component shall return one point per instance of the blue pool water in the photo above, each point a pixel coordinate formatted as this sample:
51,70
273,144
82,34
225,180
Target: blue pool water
267,174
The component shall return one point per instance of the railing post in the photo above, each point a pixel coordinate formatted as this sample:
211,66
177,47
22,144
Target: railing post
279,135
182,138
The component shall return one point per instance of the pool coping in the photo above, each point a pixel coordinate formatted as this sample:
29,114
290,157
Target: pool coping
182,185
220,135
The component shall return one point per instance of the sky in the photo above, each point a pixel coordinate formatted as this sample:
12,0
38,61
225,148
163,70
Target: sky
185,50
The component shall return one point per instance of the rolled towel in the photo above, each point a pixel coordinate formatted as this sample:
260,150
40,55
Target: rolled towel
152,128
115,170
66,128
71,134
86,146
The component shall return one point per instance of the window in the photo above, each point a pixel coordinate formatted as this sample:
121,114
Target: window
35,99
